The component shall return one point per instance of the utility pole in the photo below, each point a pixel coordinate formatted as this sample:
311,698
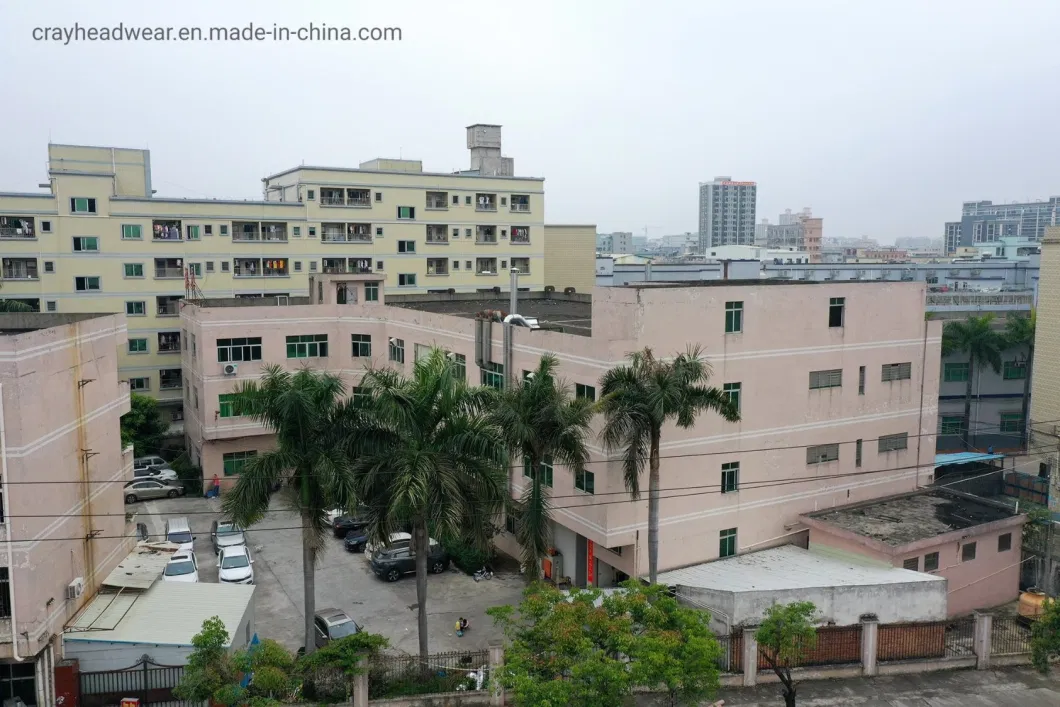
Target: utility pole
508,345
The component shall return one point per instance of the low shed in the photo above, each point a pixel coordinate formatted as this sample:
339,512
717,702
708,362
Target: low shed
116,630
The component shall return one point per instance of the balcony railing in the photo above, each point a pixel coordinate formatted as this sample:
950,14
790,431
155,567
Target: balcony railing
259,237
346,237
486,206
438,237
486,239
363,202
437,205
16,234
523,208
20,272
162,273
169,346
520,237
168,309
979,299
336,200
170,382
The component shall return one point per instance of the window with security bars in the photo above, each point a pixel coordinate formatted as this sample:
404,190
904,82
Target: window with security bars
931,562
951,424
1011,422
1014,370
244,349
893,443
911,563
826,379
955,372
897,372
730,477
822,453
307,346
362,345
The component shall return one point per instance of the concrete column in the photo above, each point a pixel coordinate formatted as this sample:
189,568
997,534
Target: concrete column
984,623
870,634
360,689
496,663
750,658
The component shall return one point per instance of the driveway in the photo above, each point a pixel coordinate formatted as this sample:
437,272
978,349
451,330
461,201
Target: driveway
343,580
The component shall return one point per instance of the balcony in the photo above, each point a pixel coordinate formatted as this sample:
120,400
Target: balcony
520,203
357,198
522,265
163,230
346,233
437,201
485,266
168,305
437,266
169,268
437,234
260,267
168,342
255,232
16,228
20,269
520,234
972,301
170,379
486,234
485,202
344,266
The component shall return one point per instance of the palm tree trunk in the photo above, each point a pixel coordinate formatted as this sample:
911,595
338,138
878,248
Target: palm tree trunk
420,544
1025,408
968,404
309,582
653,507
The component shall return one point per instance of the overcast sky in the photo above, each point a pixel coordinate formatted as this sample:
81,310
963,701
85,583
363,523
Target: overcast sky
881,116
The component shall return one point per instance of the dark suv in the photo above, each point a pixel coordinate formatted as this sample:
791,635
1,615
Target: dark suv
391,564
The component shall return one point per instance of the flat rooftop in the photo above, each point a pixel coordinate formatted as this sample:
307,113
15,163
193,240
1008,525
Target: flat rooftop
785,568
901,520
569,313
23,322
764,282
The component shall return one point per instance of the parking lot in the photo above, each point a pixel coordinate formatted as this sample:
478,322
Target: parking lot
343,580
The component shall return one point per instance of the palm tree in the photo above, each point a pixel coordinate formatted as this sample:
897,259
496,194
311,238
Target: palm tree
311,418
638,399
1019,332
440,464
13,305
543,423
977,338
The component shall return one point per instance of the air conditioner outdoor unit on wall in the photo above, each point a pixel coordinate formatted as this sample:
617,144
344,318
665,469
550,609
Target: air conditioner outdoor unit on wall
231,369
76,588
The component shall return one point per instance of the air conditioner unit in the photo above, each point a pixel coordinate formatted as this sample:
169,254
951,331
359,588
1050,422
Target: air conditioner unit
231,369
75,588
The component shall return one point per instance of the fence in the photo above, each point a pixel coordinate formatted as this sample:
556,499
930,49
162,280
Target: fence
1009,637
835,645
150,682
405,675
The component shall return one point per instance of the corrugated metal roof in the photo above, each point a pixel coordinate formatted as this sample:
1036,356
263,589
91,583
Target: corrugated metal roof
964,458
169,613
141,567
787,567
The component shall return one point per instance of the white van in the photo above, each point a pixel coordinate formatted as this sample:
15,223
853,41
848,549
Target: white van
178,532
398,541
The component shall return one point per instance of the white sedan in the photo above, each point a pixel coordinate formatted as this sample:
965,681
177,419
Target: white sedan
182,567
235,566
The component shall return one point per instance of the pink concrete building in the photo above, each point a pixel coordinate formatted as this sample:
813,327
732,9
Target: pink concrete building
974,543
820,371
63,469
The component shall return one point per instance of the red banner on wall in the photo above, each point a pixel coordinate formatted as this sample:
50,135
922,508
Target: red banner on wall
590,573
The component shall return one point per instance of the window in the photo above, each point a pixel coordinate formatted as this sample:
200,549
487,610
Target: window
585,391
49,266
45,226
226,405
858,445
467,233
207,230
209,266
861,380
407,280
836,305
951,424
1015,370
193,233
492,374
955,372
296,231
81,205
311,194
86,244
371,292
235,461
822,453
727,543
733,317
139,384
826,379
931,562
312,266
504,201
585,481
137,346
298,266
245,349
131,232
88,283
406,212
379,196
5,601
967,552
456,265
224,230
362,345
307,346
134,269
467,200
406,246
509,519
546,470
225,266
730,477
379,231
459,364
196,269
911,563
732,392
312,231
135,309
379,265
1011,422
897,372
51,305
420,351
893,443
396,351
1004,542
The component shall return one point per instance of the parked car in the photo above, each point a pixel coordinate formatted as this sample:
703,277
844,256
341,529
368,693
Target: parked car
393,563
344,524
333,624
147,489
145,462
355,541
397,540
178,532
225,533
161,473
182,567
234,565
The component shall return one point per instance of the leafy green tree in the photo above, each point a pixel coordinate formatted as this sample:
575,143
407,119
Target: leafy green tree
1019,333
585,648
210,668
983,343
638,399
1045,636
785,633
314,425
328,674
438,461
142,426
543,424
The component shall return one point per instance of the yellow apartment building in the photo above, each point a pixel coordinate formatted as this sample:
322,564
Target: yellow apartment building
96,239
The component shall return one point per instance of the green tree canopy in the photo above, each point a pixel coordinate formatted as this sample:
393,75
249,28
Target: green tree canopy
210,668
1045,636
142,426
785,633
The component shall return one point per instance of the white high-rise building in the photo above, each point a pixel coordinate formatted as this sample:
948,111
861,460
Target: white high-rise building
727,212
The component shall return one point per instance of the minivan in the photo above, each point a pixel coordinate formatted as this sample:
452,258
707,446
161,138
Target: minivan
145,462
178,532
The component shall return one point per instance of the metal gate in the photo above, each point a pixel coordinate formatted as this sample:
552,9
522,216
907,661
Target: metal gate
149,681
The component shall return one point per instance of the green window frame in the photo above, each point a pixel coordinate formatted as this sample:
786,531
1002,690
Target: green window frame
1011,422
955,372
459,364
546,470
193,233
951,424
1014,370
307,346
730,477
492,374
733,317
396,351
362,345
242,349
135,308
732,392
196,269
585,391
87,283
406,212
585,481
132,232
82,205
137,346
134,269
233,462
86,244
140,383
727,542
226,405
371,292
